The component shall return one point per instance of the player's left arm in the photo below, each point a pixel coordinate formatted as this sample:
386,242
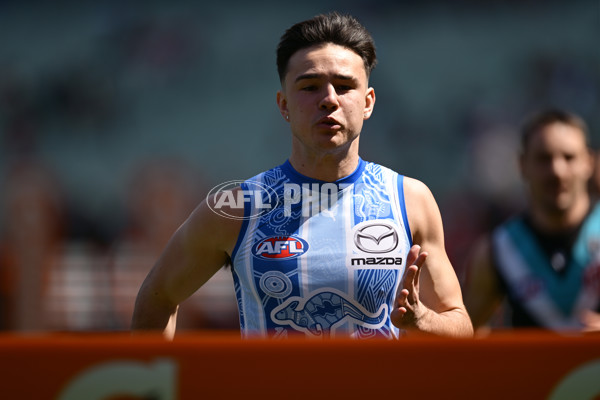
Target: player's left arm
429,297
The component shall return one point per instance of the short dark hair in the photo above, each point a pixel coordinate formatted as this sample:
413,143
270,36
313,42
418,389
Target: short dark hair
340,29
543,118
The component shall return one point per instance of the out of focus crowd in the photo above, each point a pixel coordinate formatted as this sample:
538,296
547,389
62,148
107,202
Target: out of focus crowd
58,274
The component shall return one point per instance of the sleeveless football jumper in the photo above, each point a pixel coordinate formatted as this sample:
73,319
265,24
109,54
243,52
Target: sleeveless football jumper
321,259
539,295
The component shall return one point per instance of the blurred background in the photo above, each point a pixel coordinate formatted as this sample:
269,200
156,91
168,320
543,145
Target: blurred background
117,117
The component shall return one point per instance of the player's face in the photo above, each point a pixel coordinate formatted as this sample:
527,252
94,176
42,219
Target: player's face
325,97
556,166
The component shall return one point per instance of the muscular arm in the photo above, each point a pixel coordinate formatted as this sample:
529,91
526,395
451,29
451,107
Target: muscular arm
429,298
197,250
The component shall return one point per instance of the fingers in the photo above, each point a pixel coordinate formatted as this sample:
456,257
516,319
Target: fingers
409,284
407,297
403,314
417,259
418,273
419,264
401,298
408,281
413,254
421,259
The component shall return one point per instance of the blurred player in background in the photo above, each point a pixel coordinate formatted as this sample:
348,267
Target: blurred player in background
546,261
340,252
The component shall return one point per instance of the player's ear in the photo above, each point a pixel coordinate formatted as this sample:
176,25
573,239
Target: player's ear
282,105
369,103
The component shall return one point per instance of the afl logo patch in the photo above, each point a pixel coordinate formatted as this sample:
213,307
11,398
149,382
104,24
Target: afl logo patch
280,247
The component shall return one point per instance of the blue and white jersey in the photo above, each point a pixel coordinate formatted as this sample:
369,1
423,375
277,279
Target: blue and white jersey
539,295
326,259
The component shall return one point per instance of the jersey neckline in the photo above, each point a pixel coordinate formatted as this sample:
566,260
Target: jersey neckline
297,177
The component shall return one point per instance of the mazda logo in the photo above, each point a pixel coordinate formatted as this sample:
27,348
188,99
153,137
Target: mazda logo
376,238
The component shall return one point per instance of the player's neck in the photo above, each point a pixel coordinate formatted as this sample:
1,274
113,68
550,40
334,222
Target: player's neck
327,167
560,221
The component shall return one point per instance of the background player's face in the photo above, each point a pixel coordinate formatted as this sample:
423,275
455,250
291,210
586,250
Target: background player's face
326,97
557,165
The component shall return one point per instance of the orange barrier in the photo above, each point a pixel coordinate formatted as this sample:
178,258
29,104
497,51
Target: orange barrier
203,365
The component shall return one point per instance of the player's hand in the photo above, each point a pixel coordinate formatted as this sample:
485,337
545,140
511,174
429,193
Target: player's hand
407,306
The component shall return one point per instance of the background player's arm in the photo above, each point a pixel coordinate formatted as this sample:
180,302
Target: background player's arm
197,250
482,292
430,297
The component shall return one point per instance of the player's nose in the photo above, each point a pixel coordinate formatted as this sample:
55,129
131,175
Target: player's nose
329,100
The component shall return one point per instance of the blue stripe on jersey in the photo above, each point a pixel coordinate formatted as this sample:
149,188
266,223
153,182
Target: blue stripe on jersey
588,241
403,207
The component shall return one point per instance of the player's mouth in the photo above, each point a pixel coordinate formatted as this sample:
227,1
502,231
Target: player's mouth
556,188
329,123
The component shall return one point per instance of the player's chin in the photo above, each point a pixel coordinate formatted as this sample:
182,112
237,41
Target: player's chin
335,139
560,203
330,142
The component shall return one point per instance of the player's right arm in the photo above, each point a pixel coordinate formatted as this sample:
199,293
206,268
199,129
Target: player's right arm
482,290
195,252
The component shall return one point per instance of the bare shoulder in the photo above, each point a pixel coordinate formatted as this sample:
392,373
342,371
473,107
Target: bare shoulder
421,208
219,226
416,191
